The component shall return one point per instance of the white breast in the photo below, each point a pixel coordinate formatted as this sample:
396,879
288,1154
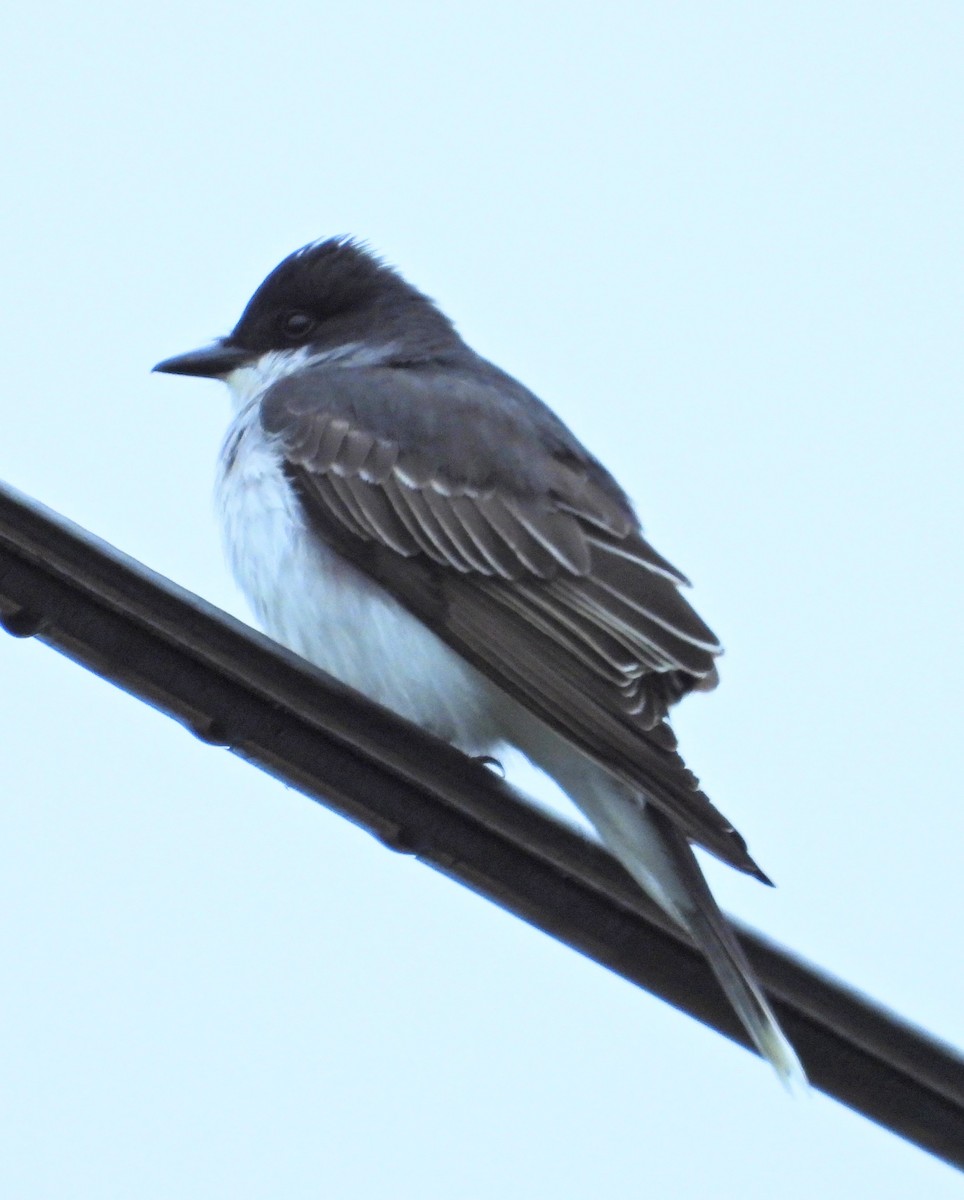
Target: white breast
313,601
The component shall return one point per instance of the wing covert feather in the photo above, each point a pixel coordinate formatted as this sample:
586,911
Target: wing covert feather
521,553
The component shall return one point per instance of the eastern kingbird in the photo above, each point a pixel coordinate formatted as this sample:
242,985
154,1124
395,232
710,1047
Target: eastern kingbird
414,521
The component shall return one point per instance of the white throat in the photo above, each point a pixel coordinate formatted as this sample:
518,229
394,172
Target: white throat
249,383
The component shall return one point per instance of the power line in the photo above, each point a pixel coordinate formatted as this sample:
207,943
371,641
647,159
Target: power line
236,688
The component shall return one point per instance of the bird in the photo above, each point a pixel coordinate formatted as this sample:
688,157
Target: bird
414,521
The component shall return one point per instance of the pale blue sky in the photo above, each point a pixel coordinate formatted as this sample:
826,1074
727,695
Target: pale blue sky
724,242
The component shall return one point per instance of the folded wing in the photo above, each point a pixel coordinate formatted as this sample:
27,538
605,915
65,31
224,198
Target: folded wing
476,508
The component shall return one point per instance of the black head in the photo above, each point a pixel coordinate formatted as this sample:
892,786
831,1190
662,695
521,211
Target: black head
328,294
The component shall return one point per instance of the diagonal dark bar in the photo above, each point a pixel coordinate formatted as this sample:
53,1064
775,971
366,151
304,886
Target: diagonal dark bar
234,687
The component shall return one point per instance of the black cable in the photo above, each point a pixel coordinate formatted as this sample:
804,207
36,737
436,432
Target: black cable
236,688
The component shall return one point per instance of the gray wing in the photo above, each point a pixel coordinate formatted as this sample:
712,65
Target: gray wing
471,503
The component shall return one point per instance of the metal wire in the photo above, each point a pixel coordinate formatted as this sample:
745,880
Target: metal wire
236,688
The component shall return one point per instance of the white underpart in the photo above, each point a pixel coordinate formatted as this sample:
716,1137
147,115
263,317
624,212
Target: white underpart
311,600
317,604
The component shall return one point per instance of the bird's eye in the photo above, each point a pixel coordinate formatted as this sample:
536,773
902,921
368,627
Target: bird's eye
296,326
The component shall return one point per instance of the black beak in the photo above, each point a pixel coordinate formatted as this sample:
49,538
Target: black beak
210,362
